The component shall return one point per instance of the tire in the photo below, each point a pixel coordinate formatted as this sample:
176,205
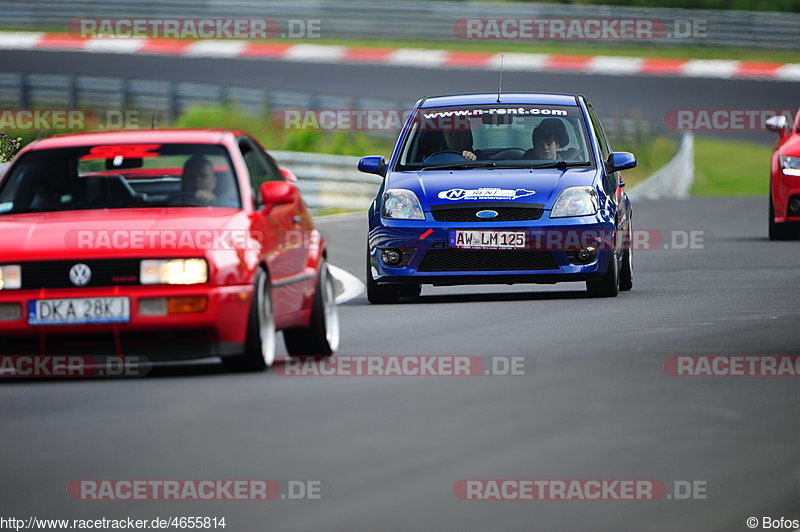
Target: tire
380,294
260,344
779,231
321,337
626,273
608,285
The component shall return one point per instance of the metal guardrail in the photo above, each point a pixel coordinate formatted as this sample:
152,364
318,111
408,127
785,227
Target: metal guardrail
413,20
330,181
673,180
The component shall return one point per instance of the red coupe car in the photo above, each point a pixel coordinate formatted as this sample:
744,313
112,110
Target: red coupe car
160,244
784,196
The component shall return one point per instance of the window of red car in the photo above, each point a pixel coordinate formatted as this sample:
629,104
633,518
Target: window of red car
120,176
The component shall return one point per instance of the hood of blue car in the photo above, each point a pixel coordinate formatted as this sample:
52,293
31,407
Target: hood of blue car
442,187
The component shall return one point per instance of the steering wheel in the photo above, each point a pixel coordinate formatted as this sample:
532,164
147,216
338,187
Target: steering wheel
444,156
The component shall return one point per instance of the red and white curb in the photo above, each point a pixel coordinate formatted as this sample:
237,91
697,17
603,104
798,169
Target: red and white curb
408,57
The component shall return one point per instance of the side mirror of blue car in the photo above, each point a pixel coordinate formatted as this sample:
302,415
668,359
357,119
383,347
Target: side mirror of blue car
373,165
621,160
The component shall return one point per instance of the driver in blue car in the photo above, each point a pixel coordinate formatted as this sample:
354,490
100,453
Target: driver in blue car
460,140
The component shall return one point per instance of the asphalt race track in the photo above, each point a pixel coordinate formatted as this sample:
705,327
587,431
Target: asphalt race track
596,403
644,96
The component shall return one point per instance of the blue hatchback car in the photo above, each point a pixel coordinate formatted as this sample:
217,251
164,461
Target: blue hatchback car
499,189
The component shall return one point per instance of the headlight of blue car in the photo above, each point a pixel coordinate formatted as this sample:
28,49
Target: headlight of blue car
790,165
575,201
401,204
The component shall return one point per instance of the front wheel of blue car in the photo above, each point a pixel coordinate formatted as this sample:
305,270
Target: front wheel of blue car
608,285
380,294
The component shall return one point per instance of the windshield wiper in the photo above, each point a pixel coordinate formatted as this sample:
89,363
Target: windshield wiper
460,166
560,165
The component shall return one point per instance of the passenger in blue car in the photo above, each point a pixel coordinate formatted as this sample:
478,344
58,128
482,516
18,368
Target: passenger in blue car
548,137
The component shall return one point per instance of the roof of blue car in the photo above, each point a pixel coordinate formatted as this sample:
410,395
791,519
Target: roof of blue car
531,98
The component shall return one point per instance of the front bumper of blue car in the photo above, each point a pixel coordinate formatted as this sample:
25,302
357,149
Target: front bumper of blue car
551,254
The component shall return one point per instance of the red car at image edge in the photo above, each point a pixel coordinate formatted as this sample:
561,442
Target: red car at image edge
784,197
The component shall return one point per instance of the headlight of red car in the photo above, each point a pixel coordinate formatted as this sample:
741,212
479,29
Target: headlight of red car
790,165
173,271
10,277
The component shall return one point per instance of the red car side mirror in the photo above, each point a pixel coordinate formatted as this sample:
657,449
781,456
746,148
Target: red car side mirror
277,193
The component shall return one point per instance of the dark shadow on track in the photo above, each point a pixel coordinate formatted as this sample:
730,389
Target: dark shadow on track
484,297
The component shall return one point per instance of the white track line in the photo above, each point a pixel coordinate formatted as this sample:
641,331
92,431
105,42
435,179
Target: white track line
353,287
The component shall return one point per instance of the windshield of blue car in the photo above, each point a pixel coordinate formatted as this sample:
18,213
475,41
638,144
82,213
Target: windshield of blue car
120,176
496,136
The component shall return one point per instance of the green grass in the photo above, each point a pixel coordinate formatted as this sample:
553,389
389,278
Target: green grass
730,168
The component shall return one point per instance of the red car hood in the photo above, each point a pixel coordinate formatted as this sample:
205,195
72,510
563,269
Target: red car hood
55,235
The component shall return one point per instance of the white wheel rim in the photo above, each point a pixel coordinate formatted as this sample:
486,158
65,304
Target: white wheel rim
266,323
331,312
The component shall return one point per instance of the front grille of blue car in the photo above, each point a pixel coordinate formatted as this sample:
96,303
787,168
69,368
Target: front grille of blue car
504,214
479,260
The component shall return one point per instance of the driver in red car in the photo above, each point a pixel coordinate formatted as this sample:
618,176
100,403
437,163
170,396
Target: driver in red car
199,180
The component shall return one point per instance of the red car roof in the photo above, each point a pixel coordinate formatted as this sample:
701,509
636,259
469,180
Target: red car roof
164,136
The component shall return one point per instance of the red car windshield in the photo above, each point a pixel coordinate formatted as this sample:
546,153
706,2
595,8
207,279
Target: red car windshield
120,176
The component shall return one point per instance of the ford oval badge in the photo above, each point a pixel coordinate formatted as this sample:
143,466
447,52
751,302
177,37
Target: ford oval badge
486,214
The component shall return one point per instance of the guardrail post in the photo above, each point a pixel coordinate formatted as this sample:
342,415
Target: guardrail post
173,105
22,97
72,98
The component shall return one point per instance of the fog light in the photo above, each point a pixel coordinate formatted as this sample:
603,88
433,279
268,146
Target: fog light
153,307
391,257
583,255
794,206
587,254
186,305
10,311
